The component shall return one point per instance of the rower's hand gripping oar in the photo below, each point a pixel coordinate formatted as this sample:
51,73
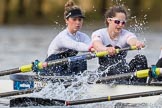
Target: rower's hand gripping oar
37,66
104,53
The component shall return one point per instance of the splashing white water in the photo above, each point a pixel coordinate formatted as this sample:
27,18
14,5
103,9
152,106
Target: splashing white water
76,90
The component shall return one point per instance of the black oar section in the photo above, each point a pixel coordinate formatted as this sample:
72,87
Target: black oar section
25,77
35,101
111,98
152,72
116,77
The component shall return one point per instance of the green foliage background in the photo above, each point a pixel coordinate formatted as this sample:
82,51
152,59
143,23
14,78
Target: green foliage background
51,11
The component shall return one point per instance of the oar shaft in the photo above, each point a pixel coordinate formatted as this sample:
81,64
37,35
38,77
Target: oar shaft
111,98
36,66
114,77
86,101
10,71
57,62
71,59
138,74
135,95
20,92
129,48
86,56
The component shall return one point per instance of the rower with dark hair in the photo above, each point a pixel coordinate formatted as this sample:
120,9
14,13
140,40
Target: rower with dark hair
68,43
115,36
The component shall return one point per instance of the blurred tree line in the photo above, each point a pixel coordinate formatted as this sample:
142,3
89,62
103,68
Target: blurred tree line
51,11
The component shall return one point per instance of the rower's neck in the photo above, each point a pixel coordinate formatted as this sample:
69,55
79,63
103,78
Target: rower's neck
112,34
73,32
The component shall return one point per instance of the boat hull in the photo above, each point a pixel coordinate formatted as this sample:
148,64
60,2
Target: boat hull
6,86
102,90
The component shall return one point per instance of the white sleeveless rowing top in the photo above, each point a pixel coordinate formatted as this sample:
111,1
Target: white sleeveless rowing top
121,41
65,40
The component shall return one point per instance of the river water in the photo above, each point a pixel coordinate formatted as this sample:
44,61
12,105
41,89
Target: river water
20,45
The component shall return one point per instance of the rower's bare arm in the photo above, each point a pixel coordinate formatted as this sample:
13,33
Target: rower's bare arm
98,46
136,42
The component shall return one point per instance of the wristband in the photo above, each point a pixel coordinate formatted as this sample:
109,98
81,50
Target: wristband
89,49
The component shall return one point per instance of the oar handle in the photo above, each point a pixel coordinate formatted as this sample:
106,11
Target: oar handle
104,53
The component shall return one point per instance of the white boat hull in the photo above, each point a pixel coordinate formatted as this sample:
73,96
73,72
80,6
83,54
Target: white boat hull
6,86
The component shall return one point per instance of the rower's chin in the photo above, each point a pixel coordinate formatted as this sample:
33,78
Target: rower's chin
118,30
77,29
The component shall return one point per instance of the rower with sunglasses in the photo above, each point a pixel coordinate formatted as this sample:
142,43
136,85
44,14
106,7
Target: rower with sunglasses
115,36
